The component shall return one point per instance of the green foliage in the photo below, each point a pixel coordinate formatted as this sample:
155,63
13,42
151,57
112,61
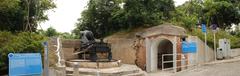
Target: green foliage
15,14
219,35
236,32
23,42
187,14
221,12
67,35
51,32
224,13
105,17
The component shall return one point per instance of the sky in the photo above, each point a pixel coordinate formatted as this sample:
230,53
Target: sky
64,17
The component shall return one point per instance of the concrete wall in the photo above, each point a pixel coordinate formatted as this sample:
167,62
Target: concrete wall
122,49
201,55
68,48
235,52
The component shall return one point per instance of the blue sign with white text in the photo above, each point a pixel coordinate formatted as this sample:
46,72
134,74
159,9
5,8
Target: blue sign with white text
204,28
189,47
25,64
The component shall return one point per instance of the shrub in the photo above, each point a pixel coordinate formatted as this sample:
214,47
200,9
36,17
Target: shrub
23,42
234,40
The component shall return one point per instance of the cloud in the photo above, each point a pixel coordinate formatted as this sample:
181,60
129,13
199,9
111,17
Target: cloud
64,17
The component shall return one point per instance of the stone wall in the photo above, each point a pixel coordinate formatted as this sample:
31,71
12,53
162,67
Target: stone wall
140,53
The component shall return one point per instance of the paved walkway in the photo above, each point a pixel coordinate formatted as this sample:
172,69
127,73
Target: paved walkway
222,69
161,73
229,67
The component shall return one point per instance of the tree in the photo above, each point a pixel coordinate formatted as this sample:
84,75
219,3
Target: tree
51,32
224,13
97,17
188,14
23,42
105,17
67,35
23,15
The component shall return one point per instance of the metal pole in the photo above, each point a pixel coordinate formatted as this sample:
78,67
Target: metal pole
46,64
162,62
205,46
214,37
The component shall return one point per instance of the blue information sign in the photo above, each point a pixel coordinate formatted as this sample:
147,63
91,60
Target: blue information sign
189,47
25,64
204,28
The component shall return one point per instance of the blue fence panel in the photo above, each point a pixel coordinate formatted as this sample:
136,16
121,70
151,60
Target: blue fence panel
189,47
25,64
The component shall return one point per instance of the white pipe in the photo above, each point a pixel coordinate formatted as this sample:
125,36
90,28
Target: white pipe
58,51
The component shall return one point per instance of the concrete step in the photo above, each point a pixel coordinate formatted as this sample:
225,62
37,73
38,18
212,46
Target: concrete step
89,64
79,75
136,74
124,70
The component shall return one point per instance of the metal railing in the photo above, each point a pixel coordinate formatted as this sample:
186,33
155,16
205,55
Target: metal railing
176,61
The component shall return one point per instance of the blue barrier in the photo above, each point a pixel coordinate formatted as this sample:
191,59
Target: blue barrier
29,64
189,47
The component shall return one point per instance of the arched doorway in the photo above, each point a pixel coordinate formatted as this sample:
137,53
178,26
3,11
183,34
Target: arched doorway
165,47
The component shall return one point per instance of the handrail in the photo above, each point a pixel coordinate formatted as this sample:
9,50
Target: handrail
171,61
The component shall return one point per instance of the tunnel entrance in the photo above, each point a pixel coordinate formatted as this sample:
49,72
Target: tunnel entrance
165,47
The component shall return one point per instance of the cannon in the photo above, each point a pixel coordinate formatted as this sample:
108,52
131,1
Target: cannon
93,49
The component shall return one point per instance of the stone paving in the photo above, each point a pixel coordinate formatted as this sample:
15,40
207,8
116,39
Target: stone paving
220,69
228,67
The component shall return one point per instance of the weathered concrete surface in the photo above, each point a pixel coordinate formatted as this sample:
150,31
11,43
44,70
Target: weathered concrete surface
68,54
140,54
66,51
210,68
71,43
122,45
153,37
52,52
235,52
223,69
202,55
164,29
124,70
161,73
122,49
89,64
131,50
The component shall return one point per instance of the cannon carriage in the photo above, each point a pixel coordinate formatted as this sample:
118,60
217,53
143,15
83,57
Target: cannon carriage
93,49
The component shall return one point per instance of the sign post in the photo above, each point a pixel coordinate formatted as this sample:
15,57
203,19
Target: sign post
214,28
214,42
46,63
204,30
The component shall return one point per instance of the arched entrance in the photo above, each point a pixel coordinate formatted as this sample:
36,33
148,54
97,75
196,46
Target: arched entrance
165,47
